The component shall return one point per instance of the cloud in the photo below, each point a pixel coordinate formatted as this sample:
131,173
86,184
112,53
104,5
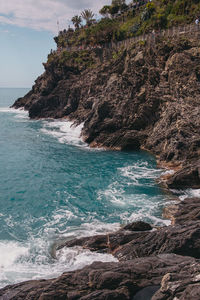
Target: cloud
44,14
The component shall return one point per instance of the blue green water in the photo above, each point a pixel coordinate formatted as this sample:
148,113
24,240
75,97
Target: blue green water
52,186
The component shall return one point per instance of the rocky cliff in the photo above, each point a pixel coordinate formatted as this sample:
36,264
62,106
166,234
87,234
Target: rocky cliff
145,96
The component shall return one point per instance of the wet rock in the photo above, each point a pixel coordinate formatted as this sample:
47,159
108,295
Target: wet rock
184,211
179,239
138,226
101,281
111,241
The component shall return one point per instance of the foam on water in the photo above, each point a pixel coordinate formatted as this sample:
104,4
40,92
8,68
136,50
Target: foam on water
36,259
187,193
20,262
20,111
65,131
125,193
138,171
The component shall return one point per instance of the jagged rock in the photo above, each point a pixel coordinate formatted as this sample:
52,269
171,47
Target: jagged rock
138,226
100,281
185,286
110,241
188,176
184,211
179,239
148,98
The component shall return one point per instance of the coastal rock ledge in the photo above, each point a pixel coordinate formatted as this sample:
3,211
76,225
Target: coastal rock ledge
158,264
166,276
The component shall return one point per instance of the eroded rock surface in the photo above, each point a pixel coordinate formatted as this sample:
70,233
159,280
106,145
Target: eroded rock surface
109,242
185,286
184,211
109,281
179,239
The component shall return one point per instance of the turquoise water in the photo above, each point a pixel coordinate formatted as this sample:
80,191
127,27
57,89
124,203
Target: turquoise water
52,186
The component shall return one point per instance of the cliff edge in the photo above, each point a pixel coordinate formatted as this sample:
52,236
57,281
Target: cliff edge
144,96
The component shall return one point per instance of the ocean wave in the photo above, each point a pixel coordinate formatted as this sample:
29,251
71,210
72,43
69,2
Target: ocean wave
65,132
13,110
33,260
140,170
187,193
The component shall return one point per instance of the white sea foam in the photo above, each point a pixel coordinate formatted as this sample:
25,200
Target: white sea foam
20,111
138,171
77,257
166,172
97,227
126,191
187,193
145,215
9,253
65,131
19,262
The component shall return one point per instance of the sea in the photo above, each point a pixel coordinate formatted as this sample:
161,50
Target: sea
54,188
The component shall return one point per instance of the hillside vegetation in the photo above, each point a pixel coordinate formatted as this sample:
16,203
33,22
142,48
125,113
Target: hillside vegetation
129,21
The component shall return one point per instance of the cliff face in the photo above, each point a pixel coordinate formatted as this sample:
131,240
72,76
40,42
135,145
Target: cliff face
146,96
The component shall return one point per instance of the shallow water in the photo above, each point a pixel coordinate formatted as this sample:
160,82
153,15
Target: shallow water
52,186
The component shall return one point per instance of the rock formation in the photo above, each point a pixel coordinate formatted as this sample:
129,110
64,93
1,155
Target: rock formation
132,280
144,97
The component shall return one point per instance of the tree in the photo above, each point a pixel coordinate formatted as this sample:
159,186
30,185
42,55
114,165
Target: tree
105,11
76,20
117,6
88,16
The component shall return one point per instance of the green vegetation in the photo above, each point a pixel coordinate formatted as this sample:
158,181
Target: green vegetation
76,20
121,21
81,59
88,16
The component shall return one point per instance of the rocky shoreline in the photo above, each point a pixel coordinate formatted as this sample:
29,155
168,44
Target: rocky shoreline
143,97
156,264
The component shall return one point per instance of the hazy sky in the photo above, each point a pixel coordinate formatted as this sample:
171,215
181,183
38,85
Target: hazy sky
27,28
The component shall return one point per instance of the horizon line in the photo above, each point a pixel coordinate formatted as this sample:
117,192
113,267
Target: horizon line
15,87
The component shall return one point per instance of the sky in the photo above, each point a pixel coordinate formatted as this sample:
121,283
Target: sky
27,28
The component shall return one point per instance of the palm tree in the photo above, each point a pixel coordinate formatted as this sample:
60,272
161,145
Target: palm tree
87,15
105,11
76,20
